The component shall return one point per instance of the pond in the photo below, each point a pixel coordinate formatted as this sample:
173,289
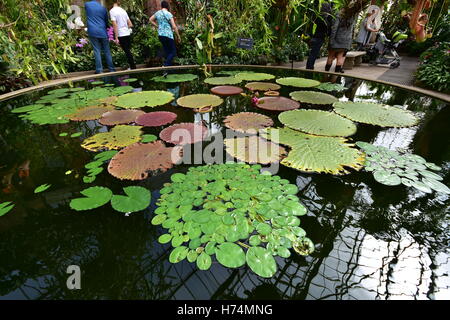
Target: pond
371,241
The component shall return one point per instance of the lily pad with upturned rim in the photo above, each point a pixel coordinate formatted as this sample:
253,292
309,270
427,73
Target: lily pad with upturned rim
254,76
173,78
262,86
115,117
197,101
156,119
119,137
184,133
298,82
219,81
152,98
226,90
277,104
313,97
254,149
331,87
247,122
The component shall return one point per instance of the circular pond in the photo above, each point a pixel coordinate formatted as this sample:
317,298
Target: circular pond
332,220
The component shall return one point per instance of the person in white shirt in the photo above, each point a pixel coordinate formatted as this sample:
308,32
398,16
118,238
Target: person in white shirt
122,30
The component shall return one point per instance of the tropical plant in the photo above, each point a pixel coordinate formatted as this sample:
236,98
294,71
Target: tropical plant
234,213
434,68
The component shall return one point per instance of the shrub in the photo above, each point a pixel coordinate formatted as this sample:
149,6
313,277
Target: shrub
434,67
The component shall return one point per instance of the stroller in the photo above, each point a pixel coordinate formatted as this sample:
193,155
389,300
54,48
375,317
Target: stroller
383,51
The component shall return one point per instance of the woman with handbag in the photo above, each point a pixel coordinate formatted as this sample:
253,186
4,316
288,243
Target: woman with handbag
163,20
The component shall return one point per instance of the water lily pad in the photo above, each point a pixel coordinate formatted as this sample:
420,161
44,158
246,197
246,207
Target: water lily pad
172,78
5,207
156,119
261,262
204,261
254,76
142,99
129,80
184,133
262,86
197,101
376,114
118,138
247,122
230,255
136,161
28,108
298,82
318,122
89,113
94,197
218,81
419,185
312,153
436,185
42,188
105,155
254,149
313,97
136,199
76,134
226,90
277,104
387,177
328,86
146,138
178,254
115,117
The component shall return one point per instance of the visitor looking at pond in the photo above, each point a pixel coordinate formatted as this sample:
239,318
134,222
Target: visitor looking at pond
341,38
122,29
367,27
97,22
323,29
163,20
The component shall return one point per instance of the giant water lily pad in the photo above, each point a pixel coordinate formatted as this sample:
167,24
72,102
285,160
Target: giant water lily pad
90,113
328,86
247,122
118,138
218,81
313,97
318,122
312,153
254,149
298,82
262,86
156,119
94,197
136,199
136,161
115,117
172,78
392,168
226,90
198,101
254,76
184,133
231,211
28,108
277,104
376,114
142,99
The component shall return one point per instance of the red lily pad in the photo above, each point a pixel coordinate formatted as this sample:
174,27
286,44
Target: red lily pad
114,117
156,119
184,133
226,90
277,104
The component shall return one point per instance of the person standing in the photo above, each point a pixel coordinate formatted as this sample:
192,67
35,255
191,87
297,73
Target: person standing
367,27
323,29
163,20
122,29
97,22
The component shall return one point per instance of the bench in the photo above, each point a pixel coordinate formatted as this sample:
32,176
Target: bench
353,59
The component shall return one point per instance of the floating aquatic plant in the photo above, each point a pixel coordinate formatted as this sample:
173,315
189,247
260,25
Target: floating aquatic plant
5,207
298,82
89,113
184,133
95,167
328,86
95,197
232,72
226,90
318,122
42,188
112,118
146,138
172,78
254,149
262,86
63,134
76,134
129,80
376,114
312,153
156,119
277,104
142,99
234,213
254,76
136,161
31,107
136,199
118,138
222,80
393,168
247,122
198,101
313,97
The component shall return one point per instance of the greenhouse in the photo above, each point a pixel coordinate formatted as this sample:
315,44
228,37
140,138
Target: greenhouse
224,150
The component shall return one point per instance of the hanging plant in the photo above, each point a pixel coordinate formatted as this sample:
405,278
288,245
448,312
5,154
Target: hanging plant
232,212
318,122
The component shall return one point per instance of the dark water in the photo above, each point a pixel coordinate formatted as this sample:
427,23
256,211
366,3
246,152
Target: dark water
372,241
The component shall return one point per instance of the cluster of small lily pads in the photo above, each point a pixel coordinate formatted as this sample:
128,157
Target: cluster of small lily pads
393,168
234,212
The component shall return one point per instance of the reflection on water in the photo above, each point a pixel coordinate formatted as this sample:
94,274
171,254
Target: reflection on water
372,241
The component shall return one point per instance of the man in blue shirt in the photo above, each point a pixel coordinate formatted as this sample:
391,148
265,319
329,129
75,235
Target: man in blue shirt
97,22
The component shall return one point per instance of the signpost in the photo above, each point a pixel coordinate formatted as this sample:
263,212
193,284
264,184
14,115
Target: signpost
245,43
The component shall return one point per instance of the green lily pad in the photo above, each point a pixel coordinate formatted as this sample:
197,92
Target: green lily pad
178,254
261,262
387,177
230,255
105,155
328,86
129,80
137,199
94,197
198,101
254,76
419,185
142,99
173,78
298,82
42,188
204,261
313,97
165,238
219,81
146,138
436,185
5,207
